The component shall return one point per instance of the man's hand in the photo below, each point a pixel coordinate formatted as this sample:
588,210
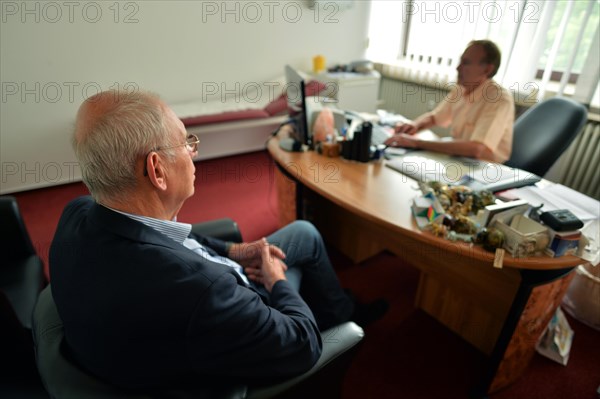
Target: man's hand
424,121
262,262
402,140
408,127
248,254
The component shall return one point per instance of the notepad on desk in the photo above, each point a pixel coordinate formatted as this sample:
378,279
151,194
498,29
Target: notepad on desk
555,196
426,166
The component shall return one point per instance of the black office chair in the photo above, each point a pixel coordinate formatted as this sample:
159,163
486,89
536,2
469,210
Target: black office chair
21,280
544,132
63,378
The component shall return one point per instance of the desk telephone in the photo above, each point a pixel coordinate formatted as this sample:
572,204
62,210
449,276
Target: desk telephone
561,220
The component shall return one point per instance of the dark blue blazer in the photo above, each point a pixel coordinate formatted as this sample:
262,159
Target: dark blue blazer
141,310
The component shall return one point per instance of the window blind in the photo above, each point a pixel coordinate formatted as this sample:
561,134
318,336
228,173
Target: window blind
423,40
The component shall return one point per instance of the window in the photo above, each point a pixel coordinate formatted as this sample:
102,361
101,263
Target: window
577,23
546,45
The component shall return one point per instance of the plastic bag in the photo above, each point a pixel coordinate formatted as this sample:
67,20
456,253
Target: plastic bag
555,342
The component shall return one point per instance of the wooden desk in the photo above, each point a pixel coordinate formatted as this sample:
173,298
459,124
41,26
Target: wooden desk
364,208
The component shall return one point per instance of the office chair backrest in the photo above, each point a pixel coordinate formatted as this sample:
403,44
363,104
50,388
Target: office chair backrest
15,242
21,280
544,132
64,378
21,273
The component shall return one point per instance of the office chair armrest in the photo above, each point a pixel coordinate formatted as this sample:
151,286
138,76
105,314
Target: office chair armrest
337,341
21,281
224,229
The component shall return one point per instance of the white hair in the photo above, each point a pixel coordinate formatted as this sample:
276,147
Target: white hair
109,146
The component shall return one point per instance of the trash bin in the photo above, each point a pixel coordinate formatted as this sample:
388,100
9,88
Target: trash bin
582,300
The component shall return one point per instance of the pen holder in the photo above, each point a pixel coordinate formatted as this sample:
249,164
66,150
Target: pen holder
364,142
347,149
331,150
359,148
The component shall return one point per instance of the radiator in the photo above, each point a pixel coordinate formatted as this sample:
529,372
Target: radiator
410,99
577,168
404,98
581,162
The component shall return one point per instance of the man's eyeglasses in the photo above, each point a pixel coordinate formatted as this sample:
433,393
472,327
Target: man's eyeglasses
191,144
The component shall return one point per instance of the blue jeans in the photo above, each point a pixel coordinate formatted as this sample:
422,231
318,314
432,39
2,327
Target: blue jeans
311,273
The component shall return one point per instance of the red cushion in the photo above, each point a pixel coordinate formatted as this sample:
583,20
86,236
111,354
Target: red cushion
314,87
275,107
223,117
279,105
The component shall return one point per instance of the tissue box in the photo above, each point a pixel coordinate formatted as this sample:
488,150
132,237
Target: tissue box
523,237
563,243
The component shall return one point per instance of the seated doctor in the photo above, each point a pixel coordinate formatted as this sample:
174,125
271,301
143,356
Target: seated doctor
479,111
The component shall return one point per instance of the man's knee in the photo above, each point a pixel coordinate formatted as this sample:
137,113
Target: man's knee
299,238
305,229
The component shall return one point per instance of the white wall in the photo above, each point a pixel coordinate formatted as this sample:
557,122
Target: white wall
54,55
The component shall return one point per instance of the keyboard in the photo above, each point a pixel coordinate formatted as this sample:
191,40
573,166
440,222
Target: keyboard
380,134
425,166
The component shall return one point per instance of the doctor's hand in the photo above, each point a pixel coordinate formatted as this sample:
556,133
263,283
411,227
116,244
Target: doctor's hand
402,140
408,127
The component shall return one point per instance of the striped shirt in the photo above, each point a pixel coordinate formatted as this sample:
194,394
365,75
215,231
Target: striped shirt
179,232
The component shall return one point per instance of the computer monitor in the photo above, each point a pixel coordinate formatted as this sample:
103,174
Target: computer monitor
296,99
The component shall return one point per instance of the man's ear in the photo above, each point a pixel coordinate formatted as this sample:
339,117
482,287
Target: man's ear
156,171
489,69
